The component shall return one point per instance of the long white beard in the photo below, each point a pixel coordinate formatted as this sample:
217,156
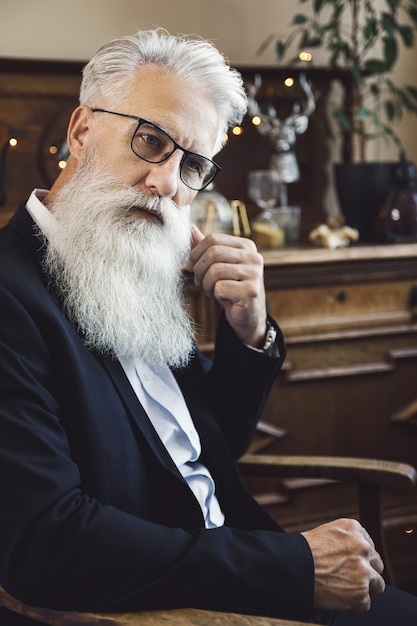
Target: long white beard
119,274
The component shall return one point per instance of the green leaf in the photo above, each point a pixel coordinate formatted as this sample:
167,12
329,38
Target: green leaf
364,113
406,102
390,51
318,29
318,5
387,133
370,29
325,128
407,35
388,83
390,110
265,44
342,120
357,73
280,50
299,19
412,91
333,60
388,24
375,119
412,12
393,5
311,42
404,99
375,89
375,66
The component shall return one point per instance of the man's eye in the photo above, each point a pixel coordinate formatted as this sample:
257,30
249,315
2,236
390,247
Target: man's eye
195,165
151,140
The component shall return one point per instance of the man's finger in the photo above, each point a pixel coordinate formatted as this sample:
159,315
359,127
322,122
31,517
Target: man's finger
196,235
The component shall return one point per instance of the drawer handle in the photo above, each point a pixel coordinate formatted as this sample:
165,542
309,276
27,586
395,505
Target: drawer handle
340,297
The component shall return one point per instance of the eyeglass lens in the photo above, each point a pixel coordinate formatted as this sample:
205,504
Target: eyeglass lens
152,144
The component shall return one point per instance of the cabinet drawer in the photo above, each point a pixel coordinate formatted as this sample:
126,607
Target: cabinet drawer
333,307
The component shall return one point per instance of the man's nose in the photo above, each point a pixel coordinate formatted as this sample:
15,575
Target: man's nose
163,178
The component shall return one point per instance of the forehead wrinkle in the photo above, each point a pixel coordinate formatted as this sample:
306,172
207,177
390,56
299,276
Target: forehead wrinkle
170,134
191,147
183,111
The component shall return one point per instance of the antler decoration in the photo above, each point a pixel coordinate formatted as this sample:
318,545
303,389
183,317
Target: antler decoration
282,132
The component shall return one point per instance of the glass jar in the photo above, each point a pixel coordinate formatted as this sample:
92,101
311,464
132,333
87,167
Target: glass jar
266,231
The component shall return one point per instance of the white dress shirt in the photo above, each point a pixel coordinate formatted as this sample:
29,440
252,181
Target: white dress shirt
162,400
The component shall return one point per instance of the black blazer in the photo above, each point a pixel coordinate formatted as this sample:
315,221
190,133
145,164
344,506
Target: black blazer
94,514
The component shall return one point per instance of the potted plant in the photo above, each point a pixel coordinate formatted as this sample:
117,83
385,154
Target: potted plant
365,37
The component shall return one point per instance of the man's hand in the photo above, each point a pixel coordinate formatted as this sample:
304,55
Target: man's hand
230,269
347,567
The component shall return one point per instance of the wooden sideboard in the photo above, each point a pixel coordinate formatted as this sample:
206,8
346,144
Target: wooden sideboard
349,317
350,322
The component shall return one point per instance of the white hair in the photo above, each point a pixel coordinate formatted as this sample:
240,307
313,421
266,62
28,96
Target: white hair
195,60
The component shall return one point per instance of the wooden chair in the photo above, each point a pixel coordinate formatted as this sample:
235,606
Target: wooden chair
371,476
173,617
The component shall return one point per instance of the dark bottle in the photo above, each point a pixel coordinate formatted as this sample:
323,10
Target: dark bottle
396,218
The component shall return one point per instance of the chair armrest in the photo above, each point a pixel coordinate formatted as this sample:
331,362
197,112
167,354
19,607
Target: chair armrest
397,477
173,617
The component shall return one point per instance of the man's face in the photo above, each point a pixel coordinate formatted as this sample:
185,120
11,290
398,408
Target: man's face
183,111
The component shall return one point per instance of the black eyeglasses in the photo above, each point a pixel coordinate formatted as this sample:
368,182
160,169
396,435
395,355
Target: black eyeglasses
152,144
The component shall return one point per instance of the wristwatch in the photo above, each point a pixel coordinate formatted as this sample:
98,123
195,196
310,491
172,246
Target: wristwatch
270,347
270,338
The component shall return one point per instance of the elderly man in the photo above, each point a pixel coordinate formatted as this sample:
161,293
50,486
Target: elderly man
117,437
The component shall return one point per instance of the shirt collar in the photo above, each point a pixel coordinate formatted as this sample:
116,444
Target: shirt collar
38,211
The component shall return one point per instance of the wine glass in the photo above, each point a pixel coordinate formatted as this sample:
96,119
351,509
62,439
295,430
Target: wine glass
264,187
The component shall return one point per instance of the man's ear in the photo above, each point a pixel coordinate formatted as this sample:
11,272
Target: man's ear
78,128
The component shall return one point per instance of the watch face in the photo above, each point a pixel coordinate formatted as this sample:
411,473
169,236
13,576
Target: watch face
271,335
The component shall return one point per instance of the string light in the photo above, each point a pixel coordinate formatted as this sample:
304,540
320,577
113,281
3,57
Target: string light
237,131
409,531
289,82
11,142
12,137
256,120
305,56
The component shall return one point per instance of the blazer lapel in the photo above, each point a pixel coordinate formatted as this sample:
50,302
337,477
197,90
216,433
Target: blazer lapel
135,409
174,494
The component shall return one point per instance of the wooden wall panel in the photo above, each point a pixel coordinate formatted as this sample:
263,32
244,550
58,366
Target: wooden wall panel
36,99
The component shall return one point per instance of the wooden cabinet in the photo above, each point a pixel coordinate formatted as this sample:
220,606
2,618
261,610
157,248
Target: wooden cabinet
350,322
349,317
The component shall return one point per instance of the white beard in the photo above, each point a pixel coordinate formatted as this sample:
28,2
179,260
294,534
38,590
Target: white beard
119,274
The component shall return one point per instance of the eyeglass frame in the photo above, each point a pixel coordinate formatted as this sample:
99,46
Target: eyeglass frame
177,146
